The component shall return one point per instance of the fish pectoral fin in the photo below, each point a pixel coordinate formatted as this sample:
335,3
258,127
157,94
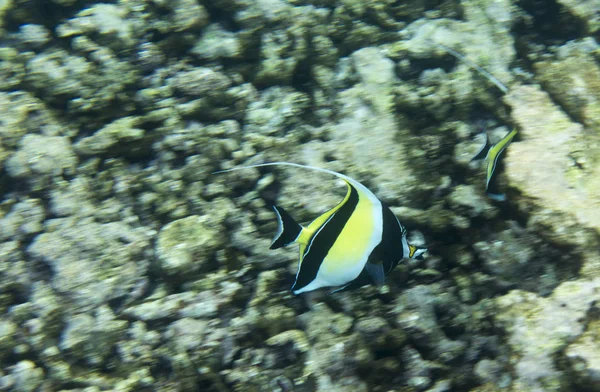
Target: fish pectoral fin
288,229
375,271
496,196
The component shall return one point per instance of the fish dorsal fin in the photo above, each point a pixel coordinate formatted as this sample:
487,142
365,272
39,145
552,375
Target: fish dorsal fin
484,150
360,187
501,86
288,230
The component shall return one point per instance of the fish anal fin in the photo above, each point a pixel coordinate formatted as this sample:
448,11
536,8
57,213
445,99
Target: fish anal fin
341,288
376,272
288,229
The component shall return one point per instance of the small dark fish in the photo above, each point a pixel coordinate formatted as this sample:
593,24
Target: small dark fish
359,237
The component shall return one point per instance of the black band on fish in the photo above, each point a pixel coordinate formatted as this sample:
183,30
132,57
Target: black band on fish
323,240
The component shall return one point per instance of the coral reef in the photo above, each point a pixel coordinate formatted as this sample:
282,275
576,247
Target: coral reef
127,265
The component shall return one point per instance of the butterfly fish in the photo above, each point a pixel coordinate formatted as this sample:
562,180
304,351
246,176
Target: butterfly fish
491,153
357,242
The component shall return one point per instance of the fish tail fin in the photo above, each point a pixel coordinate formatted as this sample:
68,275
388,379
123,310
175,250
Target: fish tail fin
288,229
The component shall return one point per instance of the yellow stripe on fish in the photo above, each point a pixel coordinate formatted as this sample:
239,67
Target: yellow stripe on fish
357,242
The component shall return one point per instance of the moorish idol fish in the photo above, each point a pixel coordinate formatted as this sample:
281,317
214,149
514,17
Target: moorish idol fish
491,153
359,241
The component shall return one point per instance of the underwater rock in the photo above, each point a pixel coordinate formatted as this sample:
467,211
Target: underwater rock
42,315
64,3
40,159
109,24
417,372
379,334
200,82
281,52
583,357
24,376
24,219
584,10
442,386
34,35
254,13
367,107
8,331
336,353
187,334
560,319
169,307
217,43
294,337
91,263
137,348
190,304
540,166
353,30
155,95
86,84
203,93
555,168
92,339
5,7
202,340
511,257
415,312
465,200
121,135
377,77
22,113
12,69
482,35
276,111
573,80
183,16
489,371
72,198
187,246
15,279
